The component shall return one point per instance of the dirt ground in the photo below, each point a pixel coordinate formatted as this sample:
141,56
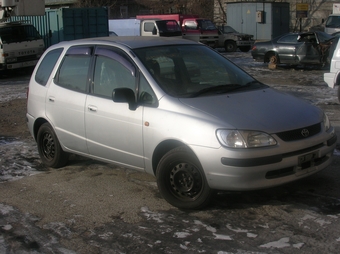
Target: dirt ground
13,119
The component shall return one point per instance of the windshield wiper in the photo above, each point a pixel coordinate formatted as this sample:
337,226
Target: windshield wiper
228,88
254,84
216,89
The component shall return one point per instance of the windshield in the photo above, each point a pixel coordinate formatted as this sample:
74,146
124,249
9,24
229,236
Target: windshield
324,37
333,22
228,29
194,70
206,24
18,33
169,28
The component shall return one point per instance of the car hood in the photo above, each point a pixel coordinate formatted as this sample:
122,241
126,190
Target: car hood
266,110
243,35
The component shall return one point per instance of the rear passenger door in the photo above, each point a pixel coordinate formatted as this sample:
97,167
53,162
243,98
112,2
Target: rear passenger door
113,131
66,98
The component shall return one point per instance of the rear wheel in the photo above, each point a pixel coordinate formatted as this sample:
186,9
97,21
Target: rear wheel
181,180
50,151
230,46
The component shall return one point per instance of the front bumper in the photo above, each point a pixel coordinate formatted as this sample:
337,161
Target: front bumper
244,43
11,66
237,172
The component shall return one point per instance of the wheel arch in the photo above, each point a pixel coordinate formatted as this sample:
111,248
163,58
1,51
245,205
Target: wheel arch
162,148
337,85
38,122
229,40
337,80
269,54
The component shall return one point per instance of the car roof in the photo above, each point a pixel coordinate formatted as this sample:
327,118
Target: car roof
132,42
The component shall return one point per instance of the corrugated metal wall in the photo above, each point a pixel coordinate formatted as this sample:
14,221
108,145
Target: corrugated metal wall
69,23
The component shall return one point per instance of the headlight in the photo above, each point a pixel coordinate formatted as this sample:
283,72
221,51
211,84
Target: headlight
326,123
244,139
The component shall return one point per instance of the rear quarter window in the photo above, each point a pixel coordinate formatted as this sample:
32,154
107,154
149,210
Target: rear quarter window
46,66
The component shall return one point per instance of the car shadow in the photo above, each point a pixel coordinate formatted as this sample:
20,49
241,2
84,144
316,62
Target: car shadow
319,192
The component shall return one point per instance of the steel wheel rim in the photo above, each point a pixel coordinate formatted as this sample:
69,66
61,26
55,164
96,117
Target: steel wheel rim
186,181
48,146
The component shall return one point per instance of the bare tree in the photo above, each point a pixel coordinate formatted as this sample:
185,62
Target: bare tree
220,12
203,8
95,3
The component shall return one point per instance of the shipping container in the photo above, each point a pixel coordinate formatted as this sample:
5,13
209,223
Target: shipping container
69,24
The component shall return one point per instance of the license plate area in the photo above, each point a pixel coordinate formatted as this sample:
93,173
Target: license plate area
307,160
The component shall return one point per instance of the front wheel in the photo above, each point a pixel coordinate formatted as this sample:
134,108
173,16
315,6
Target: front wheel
230,46
50,151
339,93
181,180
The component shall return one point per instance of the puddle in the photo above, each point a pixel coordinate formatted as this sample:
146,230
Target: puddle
17,159
7,140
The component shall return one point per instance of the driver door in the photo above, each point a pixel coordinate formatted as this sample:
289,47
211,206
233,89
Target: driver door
113,131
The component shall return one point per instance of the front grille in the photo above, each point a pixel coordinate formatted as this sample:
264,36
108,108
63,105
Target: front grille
299,134
27,58
280,173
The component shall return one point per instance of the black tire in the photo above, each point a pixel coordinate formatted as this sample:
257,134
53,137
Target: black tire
244,48
50,151
339,93
181,180
230,46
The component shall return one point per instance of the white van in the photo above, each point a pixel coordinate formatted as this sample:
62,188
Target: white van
332,24
21,45
332,78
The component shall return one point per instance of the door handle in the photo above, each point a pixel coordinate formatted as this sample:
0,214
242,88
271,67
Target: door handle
51,99
92,108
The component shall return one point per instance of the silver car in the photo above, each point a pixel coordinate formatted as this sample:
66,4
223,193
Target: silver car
175,109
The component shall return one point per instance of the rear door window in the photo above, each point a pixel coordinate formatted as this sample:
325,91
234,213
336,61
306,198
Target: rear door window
74,70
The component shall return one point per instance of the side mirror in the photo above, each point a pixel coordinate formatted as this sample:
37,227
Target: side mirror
125,95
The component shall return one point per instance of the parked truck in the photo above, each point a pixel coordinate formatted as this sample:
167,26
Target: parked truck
332,78
149,27
230,40
20,43
332,24
193,27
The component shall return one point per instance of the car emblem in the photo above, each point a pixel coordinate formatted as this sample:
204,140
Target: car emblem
305,133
